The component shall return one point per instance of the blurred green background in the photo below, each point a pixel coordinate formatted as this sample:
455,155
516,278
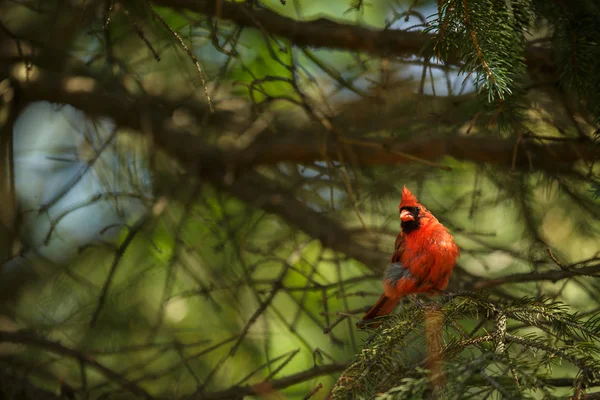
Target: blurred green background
193,275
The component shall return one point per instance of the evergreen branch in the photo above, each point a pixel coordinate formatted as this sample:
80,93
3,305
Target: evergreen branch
471,362
489,37
476,45
591,372
563,325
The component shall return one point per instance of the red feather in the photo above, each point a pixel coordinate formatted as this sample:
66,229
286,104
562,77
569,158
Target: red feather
423,261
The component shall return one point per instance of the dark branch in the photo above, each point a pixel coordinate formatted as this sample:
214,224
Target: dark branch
211,163
553,276
13,386
257,191
323,32
281,383
305,147
29,339
310,147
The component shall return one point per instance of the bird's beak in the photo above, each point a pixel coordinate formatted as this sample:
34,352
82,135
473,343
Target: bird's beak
405,215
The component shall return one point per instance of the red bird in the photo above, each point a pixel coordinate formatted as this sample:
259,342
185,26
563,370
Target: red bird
423,261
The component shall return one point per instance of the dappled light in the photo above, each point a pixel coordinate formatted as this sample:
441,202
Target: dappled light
202,199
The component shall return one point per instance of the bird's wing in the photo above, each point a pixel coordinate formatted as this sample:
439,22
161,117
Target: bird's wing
398,248
396,270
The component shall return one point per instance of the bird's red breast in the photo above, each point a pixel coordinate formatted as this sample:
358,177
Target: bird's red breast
424,257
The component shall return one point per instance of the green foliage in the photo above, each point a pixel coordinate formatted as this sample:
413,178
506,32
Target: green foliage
502,349
577,42
595,189
490,39
252,268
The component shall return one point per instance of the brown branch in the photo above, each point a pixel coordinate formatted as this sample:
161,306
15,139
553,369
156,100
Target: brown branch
319,32
586,396
552,276
281,383
258,191
29,339
313,391
8,212
15,386
305,146
322,32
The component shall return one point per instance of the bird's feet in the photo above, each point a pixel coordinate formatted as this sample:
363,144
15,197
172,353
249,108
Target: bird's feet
418,302
424,305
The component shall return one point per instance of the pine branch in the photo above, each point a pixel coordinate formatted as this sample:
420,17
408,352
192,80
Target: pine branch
395,358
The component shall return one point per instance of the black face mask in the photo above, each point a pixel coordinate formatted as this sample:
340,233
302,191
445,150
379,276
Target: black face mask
410,226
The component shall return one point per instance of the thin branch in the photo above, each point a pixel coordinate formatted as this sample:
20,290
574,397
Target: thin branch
113,268
84,170
27,338
553,276
260,192
214,164
281,383
323,32
305,146
190,54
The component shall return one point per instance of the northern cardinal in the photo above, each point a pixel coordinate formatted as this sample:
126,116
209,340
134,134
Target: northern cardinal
423,261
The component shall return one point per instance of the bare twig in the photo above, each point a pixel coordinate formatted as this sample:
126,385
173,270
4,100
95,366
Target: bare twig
113,268
190,55
553,276
238,392
313,392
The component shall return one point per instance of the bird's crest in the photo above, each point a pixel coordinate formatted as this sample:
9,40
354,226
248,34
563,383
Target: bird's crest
408,199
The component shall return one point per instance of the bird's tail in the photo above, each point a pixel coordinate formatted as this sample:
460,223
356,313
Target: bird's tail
384,306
